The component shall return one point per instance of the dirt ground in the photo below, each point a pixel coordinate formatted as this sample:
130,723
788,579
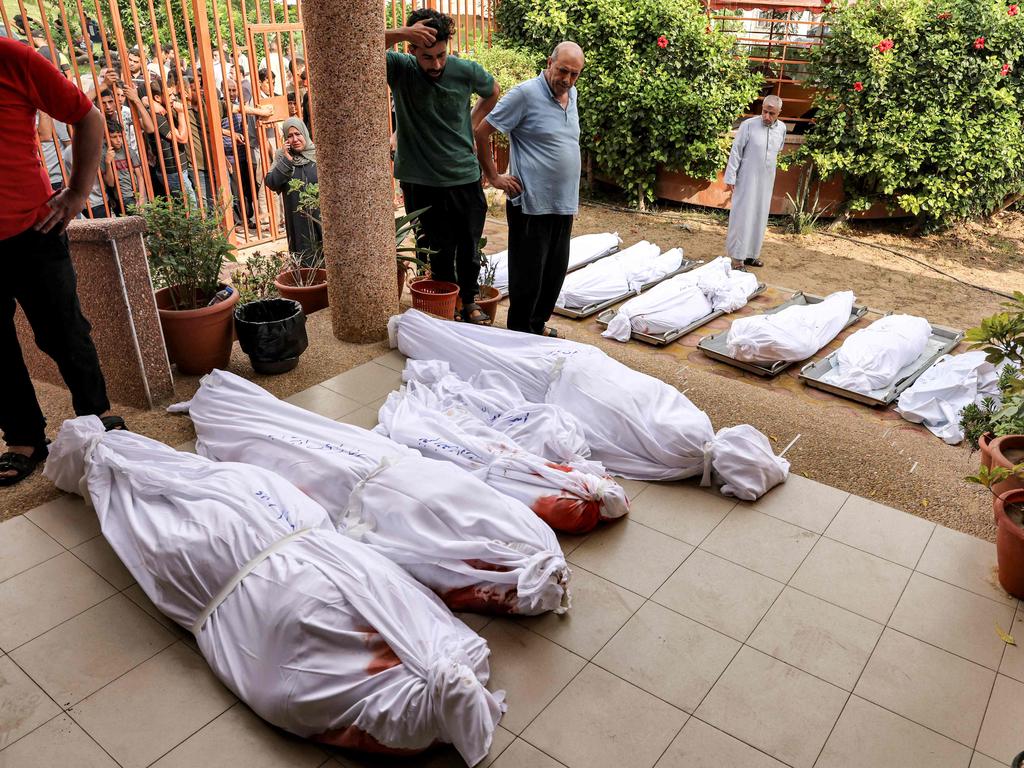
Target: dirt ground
844,444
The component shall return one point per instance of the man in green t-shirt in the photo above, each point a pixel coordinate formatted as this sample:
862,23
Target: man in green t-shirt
435,159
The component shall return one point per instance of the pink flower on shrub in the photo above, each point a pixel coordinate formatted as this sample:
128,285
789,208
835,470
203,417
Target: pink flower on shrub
858,86
1004,70
979,43
1013,10
662,42
885,45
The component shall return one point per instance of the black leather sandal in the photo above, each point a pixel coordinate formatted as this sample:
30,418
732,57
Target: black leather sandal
21,464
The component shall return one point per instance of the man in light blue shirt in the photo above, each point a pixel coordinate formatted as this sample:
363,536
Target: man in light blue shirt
542,186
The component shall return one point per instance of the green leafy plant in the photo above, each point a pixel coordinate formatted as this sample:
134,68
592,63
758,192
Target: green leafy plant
255,280
921,106
186,250
510,66
661,86
1001,336
407,247
989,477
805,211
488,267
304,266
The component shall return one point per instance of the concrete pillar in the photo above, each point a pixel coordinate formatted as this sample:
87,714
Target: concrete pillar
345,57
116,294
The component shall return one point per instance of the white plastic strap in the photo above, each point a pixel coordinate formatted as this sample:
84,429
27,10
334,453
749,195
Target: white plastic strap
705,479
244,571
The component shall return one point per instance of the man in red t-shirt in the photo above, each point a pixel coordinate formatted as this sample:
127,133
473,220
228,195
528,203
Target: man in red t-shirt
37,264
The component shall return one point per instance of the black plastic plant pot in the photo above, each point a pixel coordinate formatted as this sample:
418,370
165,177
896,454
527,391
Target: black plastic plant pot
272,332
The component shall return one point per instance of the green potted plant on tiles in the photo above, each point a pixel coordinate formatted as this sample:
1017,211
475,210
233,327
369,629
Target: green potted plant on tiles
187,252
303,276
1009,518
407,248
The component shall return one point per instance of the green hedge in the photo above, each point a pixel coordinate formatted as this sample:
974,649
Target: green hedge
922,105
659,85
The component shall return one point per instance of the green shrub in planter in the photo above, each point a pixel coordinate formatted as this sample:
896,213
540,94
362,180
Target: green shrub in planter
922,105
660,85
509,66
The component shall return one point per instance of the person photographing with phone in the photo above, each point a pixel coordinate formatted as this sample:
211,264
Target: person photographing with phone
297,161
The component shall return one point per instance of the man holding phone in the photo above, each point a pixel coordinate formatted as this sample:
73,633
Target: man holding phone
39,274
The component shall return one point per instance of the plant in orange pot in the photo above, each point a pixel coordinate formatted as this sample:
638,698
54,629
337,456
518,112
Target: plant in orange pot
408,249
1009,516
187,252
487,295
304,277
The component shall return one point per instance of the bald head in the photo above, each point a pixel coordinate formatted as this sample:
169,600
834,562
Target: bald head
564,66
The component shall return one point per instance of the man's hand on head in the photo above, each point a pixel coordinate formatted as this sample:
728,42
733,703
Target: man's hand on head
420,35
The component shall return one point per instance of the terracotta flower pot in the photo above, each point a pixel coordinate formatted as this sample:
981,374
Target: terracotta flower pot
311,297
1010,544
197,340
1007,452
488,299
984,445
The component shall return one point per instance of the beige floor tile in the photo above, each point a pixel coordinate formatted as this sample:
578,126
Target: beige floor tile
23,705
1013,656
965,561
474,621
600,721
720,594
66,519
599,609
852,579
927,685
681,510
240,739
137,596
881,530
633,488
324,401
669,655
365,383
530,668
442,756
773,707
699,745
631,555
364,417
42,597
954,619
867,735
568,542
22,545
802,502
983,761
85,653
393,359
151,709
523,755
762,543
100,556
1002,733
58,743
817,637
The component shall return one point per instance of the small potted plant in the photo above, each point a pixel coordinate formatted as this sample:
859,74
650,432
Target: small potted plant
487,295
1009,514
407,253
271,330
303,277
187,252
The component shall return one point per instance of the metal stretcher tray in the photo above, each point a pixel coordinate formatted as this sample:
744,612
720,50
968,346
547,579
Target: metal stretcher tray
942,341
714,346
591,309
668,337
614,249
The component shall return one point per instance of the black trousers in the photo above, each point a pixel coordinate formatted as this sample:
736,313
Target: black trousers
41,279
538,255
452,226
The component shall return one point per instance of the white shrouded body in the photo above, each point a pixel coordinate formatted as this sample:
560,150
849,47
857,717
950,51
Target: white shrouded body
624,272
871,358
793,334
582,248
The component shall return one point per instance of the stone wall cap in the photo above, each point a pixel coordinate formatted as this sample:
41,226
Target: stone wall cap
104,230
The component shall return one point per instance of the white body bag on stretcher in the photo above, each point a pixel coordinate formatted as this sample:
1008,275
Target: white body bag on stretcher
637,426
793,334
683,299
624,272
477,548
317,633
582,248
567,498
871,358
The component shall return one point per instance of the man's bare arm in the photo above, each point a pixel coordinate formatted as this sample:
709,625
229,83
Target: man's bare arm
484,106
510,185
419,34
85,154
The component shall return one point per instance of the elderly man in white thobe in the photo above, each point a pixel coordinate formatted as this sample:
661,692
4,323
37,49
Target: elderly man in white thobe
750,177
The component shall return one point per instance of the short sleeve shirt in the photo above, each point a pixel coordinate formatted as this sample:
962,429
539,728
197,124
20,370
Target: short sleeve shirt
435,134
544,138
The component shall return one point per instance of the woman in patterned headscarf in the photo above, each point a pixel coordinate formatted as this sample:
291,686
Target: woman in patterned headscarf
296,161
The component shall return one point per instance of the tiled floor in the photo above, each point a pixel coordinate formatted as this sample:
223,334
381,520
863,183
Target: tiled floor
811,628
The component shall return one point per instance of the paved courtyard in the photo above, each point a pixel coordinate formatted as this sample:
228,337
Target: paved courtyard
811,628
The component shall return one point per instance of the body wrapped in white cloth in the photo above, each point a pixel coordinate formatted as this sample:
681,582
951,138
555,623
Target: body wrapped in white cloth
317,633
793,334
582,248
568,498
944,390
637,426
871,358
624,272
477,548
683,299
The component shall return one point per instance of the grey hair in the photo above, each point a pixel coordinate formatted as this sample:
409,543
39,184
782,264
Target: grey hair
773,101
565,44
